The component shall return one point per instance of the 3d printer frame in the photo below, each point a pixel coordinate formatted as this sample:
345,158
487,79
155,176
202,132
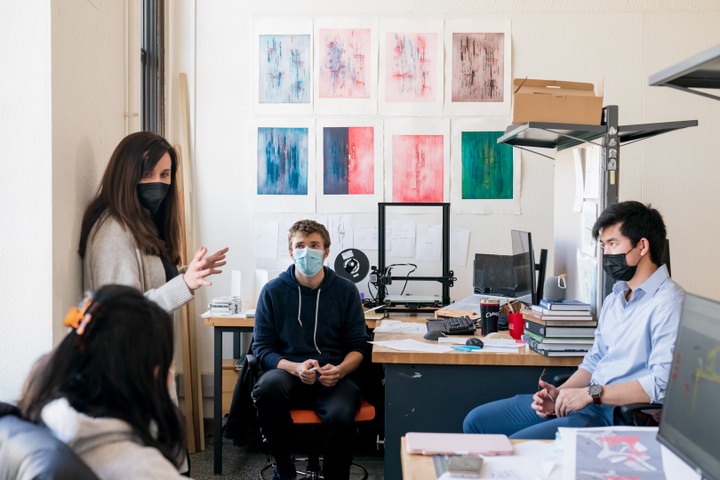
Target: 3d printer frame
379,277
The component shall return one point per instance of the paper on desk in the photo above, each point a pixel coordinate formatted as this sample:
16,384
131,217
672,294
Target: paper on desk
632,451
409,345
496,344
243,314
532,460
397,326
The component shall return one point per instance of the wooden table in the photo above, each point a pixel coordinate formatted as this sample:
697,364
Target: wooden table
433,392
421,467
234,324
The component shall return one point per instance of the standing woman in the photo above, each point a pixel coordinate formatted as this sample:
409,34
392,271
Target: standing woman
131,234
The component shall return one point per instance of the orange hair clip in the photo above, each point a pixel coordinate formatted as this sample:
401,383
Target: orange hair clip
78,318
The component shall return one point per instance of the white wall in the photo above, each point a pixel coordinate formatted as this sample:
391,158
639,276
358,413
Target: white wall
63,112
88,120
25,190
623,42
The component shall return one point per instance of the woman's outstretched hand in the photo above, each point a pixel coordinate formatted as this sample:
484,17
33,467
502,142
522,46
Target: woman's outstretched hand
200,267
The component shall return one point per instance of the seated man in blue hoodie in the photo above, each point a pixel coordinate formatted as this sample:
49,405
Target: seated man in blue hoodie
309,338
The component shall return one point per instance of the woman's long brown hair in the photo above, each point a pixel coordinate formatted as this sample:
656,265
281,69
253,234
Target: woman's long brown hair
117,196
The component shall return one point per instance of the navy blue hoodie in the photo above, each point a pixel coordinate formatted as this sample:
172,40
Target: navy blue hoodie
298,323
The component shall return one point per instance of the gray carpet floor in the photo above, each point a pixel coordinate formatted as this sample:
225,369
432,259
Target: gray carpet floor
246,462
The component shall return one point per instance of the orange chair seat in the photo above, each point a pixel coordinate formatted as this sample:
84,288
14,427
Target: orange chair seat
306,417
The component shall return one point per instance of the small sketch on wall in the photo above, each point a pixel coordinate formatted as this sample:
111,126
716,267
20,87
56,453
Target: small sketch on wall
411,66
417,168
284,69
348,160
340,228
345,67
487,167
282,161
478,67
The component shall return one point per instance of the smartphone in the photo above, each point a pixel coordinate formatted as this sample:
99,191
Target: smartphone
464,467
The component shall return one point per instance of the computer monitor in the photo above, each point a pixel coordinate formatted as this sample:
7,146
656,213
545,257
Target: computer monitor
493,275
528,289
690,422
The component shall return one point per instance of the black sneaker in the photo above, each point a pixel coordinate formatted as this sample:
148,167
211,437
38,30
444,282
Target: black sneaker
284,470
277,476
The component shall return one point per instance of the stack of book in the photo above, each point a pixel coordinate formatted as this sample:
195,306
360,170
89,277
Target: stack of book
559,329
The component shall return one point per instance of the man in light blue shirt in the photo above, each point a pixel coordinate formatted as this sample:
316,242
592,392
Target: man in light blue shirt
631,356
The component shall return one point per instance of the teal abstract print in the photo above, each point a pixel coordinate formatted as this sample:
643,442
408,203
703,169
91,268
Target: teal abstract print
487,168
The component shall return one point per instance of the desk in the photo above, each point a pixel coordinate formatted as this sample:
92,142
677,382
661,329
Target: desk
432,392
229,325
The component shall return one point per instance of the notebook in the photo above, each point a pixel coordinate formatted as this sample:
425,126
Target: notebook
423,443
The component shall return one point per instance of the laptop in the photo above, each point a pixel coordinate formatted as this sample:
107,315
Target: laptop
423,443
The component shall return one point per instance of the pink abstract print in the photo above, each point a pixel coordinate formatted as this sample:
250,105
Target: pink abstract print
477,67
345,69
418,168
361,161
410,67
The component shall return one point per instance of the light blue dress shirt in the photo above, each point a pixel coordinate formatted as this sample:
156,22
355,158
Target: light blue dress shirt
635,340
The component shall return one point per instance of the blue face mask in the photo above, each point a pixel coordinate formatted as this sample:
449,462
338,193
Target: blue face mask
308,261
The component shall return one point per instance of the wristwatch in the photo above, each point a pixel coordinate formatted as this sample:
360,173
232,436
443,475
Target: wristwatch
595,391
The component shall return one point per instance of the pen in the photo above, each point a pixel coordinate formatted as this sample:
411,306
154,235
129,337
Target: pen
541,377
548,393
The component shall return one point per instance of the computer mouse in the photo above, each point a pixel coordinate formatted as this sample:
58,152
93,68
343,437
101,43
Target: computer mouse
434,335
475,342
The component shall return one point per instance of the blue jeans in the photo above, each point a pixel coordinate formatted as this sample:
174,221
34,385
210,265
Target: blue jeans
515,418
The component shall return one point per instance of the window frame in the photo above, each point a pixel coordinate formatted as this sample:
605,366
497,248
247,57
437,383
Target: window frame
152,61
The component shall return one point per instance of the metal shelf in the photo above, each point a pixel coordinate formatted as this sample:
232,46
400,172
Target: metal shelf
699,71
551,135
561,136
610,136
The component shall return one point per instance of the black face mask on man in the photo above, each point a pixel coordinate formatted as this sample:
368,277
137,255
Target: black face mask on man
151,195
616,266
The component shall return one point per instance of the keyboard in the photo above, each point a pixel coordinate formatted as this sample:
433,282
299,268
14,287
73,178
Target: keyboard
458,326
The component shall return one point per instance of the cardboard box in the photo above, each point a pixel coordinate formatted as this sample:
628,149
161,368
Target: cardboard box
555,101
229,378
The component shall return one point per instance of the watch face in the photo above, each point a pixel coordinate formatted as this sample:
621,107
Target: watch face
594,390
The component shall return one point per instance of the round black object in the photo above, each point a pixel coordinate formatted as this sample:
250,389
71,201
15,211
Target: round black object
352,264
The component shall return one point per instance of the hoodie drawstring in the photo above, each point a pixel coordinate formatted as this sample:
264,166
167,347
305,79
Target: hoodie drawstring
317,310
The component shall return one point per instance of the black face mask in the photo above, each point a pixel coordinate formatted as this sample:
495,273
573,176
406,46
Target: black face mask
616,266
152,195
